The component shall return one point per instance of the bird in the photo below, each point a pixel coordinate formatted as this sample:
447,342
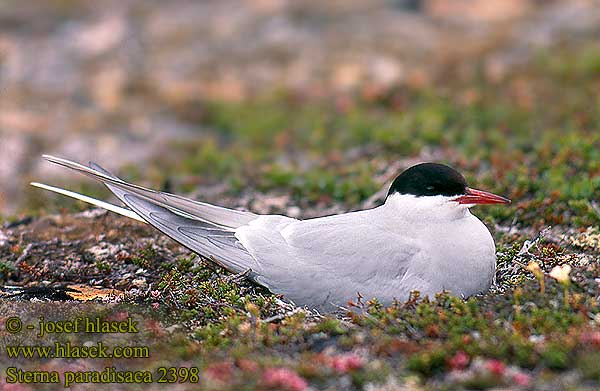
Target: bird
422,238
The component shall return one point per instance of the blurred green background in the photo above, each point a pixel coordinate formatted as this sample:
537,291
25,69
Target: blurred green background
305,107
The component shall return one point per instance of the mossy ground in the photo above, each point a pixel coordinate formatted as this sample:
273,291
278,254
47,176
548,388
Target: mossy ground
533,136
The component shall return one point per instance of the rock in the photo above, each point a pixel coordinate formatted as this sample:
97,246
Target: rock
3,239
102,36
104,250
140,283
477,10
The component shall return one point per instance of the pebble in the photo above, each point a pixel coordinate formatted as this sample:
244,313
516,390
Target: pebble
3,238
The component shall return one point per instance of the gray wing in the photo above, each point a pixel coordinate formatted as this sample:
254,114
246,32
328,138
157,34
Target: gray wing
210,240
329,260
206,229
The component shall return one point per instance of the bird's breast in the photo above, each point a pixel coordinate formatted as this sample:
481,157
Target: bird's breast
458,256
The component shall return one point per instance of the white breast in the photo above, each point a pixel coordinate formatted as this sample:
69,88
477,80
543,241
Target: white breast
458,257
458,252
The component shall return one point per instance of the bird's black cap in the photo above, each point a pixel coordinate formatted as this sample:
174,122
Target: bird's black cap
429,179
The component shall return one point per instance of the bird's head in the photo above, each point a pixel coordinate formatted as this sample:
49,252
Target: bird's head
432,184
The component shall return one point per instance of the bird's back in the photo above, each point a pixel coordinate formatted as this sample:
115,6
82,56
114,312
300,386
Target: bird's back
331,259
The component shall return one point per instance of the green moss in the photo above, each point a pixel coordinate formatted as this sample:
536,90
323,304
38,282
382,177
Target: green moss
376,373
555,356
588,364
102,266
6,269
428,363
145,256
481,382
330,326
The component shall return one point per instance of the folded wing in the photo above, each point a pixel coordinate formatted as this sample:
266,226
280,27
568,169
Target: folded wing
206,229
328,261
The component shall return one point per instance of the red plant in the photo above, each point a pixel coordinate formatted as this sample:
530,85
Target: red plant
344,363
496,367
459,361
283,378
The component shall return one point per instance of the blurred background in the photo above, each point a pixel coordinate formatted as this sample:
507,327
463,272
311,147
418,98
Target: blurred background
275,104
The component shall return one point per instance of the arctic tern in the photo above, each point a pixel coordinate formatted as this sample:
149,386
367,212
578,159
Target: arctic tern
422,238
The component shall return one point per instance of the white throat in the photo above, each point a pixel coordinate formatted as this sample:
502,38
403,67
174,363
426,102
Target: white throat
425,208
